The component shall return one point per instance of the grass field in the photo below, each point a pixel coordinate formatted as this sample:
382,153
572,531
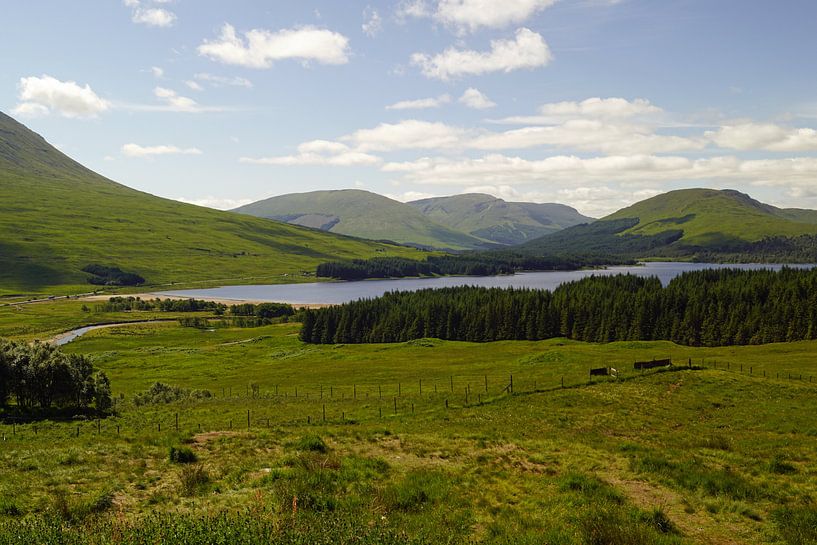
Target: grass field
703,455
57,217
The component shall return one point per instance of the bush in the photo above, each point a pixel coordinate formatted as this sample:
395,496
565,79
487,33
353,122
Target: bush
797,525
780,466
163,393
41,376
416,490
182,455
312,443
193,479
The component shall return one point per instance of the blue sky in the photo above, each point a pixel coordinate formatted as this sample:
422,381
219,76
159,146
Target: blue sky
594,103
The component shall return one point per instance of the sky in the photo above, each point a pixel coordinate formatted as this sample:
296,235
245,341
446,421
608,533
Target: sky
592,103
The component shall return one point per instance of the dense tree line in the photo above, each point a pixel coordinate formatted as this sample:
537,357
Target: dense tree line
711,308
469,264
263,311
111,276
123,304
799,249
40,376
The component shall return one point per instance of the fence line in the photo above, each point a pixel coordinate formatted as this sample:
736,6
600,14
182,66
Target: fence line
403,403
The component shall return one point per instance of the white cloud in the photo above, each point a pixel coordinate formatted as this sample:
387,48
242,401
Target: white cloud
222,81
421,103
526,51
769,137
412,8
157,72
409,196
42,95
157,17
570,170
474,14
174,102
588,135
591,108
318,152
475,99
471,15
373,23
218,203
407,134
261,48
194,85
135,150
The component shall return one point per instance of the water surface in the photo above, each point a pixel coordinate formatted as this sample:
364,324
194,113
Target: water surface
343,292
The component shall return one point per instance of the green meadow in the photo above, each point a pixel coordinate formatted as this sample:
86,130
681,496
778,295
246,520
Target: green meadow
421,442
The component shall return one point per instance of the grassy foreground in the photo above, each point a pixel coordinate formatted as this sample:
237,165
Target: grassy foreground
709,455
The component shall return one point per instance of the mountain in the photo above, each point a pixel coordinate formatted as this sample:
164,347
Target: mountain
494,219
689,223
57,217
362,214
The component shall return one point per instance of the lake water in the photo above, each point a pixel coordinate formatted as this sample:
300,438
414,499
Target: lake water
342,292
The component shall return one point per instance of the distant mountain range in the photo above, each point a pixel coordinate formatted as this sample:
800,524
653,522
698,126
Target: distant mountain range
460,222
690,223
57,217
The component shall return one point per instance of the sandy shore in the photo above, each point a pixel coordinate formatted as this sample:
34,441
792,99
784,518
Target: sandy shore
228,302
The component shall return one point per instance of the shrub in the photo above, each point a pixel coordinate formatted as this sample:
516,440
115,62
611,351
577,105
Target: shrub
416,490
312,443
797,525
182,455
163,393
193,479
780,466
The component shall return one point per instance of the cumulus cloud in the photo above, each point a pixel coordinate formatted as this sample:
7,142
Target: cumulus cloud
473,98
527,50
592,108
223,81
260,48
496,169
318,152
219,203
194,85
472,15
588,135
157,17
407,134
764,136
135,150
176,101
45,94
420,103
373,23
412,9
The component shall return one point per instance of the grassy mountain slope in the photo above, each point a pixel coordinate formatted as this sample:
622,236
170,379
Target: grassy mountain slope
491,218
56,217
683,223
361,214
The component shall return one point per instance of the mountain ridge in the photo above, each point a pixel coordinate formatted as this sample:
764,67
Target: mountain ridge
683,223
57,217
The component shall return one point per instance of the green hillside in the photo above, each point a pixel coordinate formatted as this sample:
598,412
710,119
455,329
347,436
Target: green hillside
491,218
693,222
57,217
362,214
